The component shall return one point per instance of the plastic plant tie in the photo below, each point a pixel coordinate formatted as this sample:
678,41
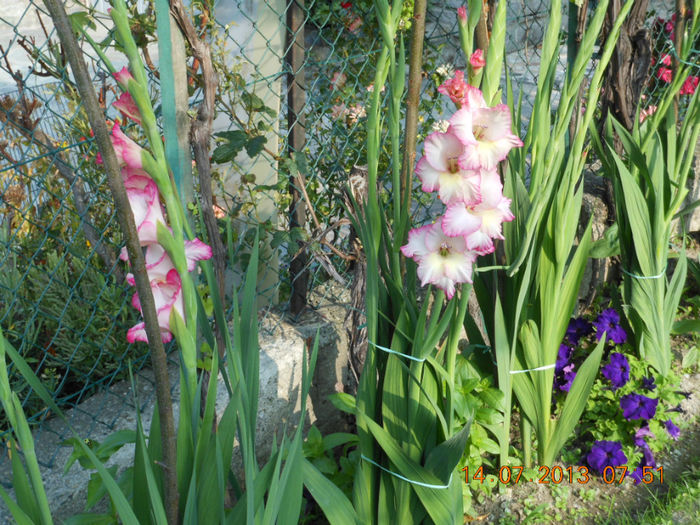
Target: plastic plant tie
413,482
663,272
546,367
390,351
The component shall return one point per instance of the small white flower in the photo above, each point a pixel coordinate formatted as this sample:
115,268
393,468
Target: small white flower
441,126
445,70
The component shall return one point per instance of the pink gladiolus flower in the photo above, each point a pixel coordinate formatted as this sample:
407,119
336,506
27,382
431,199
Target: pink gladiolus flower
443,261
689,86
665,60
158,262
439,170
480,223
462,14
167,294
145,204
128,152
477,60
486,135
665,74
646,113
122,77
456,88
125,103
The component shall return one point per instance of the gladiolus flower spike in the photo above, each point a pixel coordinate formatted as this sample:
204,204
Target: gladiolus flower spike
460,164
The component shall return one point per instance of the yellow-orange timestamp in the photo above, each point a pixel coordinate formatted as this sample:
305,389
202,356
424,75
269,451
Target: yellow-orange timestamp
557,474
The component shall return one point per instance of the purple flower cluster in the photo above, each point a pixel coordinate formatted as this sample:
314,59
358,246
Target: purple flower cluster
606,454
617,371
637,406
608,322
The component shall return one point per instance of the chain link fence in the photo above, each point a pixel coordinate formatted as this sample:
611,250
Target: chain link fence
63,299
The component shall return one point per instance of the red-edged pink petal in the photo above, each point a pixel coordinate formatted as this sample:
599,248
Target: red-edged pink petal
442,151
137,333
196,250
480,242
122,77
461,127
125,103
128,152
459,220
415,247
428,175
462,186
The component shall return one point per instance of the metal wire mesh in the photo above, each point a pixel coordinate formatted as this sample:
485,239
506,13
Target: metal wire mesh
63,301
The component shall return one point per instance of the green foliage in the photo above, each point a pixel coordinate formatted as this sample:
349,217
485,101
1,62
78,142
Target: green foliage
67,319
545,264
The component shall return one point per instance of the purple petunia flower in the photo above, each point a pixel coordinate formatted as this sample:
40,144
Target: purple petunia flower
672,429
647,460
609,322
563,356
578,328
566,379
648,383
606,454
617,371
642,433
637,406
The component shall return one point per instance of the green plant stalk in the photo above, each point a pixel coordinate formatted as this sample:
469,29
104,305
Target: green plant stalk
526,433
452,348
23,436
494,56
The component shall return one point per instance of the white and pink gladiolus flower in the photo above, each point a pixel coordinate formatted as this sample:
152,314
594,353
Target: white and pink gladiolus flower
158,262
485,132
167,294
481,223
127,151
145,204
456,88
439,170
443,261
125,103
122,77
477,60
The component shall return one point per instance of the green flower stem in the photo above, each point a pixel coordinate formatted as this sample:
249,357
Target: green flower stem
126,221
452,347
100,53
